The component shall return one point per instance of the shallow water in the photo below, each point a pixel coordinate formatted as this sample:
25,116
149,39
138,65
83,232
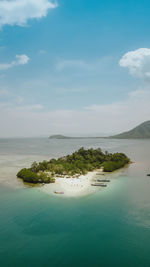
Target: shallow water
108,228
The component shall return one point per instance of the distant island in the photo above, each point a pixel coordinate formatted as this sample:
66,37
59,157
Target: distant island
142,131
59,136
79,163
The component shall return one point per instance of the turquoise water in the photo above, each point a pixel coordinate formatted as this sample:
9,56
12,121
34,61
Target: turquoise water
108,228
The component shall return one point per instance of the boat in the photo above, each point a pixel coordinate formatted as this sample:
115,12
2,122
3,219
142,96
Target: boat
99,184
59,192
103,180
148,174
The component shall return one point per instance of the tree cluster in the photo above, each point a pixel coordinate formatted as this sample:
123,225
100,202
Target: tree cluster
28,176
80,162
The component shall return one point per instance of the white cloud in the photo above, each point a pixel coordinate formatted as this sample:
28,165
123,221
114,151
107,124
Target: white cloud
138,62
18,12
20,60
116,117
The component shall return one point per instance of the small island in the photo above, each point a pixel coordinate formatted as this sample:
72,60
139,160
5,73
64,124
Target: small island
73,166
59,136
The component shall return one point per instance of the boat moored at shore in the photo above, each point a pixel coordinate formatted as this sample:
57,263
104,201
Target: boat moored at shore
59,192
99,184
103,180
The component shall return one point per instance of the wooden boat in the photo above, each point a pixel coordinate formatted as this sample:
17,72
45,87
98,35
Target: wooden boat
99,184
103,180
59,192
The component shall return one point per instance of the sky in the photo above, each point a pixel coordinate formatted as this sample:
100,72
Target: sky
73,67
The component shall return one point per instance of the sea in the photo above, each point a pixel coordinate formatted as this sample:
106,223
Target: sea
110,227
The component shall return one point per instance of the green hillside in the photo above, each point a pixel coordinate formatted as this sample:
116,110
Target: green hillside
140,132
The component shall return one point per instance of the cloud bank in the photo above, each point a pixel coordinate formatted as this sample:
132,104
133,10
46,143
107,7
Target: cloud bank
18,12
20,60
138,62
34,120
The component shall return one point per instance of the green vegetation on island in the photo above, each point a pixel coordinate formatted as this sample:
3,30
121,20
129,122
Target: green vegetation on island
140,132
80,162
31,176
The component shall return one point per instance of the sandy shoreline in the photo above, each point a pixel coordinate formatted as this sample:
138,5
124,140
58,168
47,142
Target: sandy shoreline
73,187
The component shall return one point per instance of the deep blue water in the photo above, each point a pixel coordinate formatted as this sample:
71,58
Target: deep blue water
108,228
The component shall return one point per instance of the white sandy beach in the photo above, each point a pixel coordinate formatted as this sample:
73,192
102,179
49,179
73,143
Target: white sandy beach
73,187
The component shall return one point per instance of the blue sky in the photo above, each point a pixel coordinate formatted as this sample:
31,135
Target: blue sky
67,76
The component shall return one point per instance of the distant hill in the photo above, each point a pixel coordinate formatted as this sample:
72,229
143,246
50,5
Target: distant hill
140,132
